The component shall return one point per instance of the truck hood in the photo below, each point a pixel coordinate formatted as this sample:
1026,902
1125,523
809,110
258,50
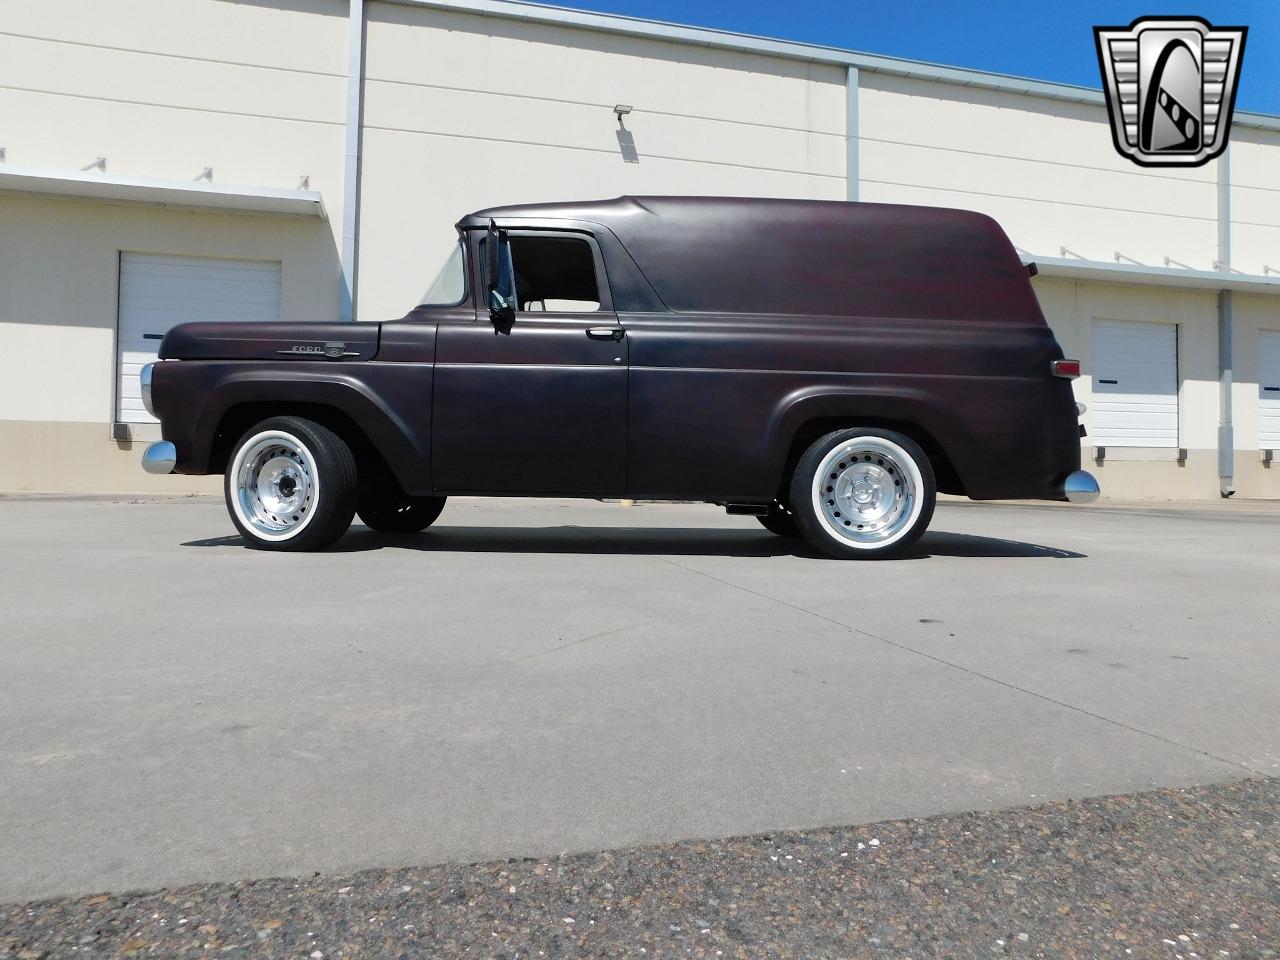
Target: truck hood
271,341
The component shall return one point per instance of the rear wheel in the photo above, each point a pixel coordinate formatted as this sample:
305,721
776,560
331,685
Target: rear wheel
388,509
780,521
290,485
863,493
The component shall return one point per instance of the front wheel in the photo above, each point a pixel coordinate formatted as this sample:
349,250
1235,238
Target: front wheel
863,493
291,485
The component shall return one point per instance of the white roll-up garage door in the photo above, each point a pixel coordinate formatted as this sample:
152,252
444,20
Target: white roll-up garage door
1269,390
158,292
1135,384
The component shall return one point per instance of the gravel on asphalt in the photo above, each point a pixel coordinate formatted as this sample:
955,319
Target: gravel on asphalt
1180,873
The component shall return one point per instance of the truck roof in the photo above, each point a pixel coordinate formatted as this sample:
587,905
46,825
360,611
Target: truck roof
816,257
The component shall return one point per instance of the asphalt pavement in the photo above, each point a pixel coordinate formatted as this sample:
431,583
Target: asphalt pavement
1177,874
531,678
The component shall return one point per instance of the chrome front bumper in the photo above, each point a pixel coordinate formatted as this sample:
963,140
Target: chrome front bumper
1080,487
160,457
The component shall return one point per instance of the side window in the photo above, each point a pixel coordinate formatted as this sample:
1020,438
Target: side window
450,285
555,274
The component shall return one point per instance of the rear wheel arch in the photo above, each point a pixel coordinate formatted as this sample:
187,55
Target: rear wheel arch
816,416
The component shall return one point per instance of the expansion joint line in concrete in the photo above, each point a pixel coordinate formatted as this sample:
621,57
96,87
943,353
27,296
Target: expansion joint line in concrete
1236,764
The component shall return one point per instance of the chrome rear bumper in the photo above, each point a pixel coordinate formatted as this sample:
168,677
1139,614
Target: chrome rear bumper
1080,487
160,457
144,382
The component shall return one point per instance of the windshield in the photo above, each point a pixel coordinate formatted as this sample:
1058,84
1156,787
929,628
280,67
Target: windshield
450,285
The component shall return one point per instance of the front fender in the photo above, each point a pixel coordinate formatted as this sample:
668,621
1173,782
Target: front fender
193,397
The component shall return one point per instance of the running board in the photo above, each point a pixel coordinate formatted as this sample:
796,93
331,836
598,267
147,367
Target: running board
747,509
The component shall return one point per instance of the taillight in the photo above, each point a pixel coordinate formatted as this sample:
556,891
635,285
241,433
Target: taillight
1067,369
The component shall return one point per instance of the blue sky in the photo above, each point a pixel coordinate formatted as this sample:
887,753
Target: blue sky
1048,41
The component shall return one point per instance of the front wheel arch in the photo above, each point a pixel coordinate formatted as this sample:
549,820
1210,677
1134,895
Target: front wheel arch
363,413
370,463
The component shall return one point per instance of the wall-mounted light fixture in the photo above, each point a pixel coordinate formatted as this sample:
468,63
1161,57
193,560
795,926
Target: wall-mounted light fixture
98,164
1170,262
206,174
626,140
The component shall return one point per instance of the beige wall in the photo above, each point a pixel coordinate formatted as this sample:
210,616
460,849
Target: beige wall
463,112
1046,169
59,269
163,89
1071,306
62,457
1252,314
1255,480
1255,200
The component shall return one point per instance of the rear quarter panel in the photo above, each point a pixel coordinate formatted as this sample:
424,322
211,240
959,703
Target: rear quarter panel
717,400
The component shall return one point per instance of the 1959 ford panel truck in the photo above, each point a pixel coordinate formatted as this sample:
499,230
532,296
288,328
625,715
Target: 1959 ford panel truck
826,367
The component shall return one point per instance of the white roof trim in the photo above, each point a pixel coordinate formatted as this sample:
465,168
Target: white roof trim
807,52
1161,276
186,194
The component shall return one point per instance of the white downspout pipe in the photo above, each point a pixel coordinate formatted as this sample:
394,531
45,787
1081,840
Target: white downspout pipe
1226,428
351,166
851,124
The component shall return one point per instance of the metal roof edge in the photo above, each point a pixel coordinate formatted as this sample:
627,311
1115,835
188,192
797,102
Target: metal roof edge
791,49
1067,268
227,198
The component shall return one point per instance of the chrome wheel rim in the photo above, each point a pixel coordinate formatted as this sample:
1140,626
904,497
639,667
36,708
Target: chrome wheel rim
866,493
275,485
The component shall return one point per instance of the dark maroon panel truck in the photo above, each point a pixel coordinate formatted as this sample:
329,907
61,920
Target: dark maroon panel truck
825,367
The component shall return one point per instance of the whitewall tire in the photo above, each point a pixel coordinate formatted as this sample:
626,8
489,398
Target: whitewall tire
290,485
863,493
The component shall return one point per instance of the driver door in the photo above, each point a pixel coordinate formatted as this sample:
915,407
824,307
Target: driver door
539,404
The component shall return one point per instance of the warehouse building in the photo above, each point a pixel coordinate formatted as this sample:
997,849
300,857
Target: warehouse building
172,160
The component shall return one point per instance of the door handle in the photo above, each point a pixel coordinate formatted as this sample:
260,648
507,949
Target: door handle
605,333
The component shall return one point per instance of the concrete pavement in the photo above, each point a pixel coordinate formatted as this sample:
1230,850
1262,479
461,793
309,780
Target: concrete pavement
531,677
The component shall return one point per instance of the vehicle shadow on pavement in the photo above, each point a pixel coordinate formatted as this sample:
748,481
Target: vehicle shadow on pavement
942,544
639,541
